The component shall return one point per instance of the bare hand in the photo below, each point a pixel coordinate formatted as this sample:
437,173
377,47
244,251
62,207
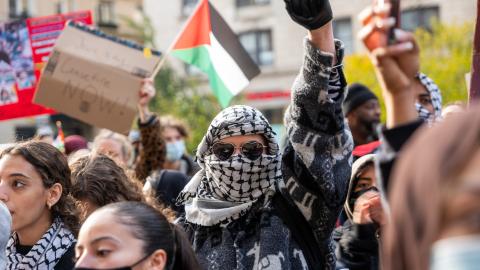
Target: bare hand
396,65
146,94
376,211
368,209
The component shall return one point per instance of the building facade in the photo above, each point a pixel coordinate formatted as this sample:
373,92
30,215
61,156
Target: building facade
109,15
275,42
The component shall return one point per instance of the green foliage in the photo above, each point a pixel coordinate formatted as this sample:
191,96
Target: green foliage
446,55
177,96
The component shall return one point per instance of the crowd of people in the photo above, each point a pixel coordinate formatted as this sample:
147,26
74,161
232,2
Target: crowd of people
346,191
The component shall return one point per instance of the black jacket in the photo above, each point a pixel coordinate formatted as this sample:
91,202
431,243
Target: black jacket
357,246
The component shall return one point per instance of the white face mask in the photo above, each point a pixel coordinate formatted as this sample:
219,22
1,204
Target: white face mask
459,253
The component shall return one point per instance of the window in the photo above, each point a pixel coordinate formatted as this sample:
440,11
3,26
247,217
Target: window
106,14
342,29
62,6
242,3
259,45
419,18
20,9
188,6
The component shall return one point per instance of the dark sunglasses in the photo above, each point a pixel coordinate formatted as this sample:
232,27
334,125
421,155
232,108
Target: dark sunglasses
251,150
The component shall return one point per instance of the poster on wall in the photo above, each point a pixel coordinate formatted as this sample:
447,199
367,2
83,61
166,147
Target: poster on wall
25,46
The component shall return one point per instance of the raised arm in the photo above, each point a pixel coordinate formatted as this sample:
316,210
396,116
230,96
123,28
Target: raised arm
396,66
317,159
152,150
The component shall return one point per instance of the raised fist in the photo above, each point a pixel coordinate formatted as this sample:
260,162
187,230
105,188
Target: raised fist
311,14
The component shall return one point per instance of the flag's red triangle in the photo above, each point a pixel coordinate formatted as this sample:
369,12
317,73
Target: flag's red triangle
197,30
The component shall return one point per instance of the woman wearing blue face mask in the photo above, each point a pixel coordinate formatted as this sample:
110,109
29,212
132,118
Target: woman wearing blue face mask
175,132
132,235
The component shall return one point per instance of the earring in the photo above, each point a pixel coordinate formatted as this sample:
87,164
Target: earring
49,206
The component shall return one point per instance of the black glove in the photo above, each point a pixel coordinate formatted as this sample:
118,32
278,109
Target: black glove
311,14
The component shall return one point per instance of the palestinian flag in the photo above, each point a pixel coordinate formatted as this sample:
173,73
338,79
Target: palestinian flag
208,43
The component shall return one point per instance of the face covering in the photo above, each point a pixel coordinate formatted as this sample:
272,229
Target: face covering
175,150
461,253
118,268
239,179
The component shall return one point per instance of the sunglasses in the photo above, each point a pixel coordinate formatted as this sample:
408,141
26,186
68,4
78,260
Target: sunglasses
251,150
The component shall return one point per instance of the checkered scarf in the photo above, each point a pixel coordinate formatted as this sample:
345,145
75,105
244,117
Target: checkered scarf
436,97
224,190
46,253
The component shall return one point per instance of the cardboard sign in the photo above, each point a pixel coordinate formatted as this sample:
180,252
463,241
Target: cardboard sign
95,77
24,46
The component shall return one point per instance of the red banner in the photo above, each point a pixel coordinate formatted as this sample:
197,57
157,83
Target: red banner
24,47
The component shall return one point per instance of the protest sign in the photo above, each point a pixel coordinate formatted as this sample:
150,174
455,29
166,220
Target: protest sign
24,46
95,77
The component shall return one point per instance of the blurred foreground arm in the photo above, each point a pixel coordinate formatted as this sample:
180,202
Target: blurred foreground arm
396,67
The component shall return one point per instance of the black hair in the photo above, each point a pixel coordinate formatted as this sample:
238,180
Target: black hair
153,229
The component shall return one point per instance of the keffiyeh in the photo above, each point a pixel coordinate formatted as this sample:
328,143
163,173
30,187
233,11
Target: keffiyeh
46,253
436,97
223,191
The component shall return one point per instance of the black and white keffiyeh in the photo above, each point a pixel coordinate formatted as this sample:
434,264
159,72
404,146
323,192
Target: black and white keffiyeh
222,191
436,97
46,253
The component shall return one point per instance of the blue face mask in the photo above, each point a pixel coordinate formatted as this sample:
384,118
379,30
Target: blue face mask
461,253
175,150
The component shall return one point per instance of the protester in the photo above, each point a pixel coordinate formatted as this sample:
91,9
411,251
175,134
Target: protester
35,185
132,235
434,204
428,98
5,229
397,67
114,145
74,143
362,111
175,133
98,181
45,134
253,207
134,139
357,239
165,184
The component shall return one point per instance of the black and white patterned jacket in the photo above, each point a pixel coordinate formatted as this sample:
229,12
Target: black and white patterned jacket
316,170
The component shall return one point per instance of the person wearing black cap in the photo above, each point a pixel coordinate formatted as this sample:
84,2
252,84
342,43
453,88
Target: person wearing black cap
362,111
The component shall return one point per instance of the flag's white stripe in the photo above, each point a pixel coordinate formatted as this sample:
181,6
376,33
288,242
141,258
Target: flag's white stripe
227,69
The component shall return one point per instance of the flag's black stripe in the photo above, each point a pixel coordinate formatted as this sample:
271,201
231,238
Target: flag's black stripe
229,41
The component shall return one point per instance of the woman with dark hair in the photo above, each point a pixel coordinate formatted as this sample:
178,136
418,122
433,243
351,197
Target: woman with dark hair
35,185
98,180
132,235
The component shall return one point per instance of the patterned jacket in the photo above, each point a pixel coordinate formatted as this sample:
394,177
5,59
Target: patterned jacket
316,169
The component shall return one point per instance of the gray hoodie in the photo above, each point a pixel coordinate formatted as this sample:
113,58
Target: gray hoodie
5,228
